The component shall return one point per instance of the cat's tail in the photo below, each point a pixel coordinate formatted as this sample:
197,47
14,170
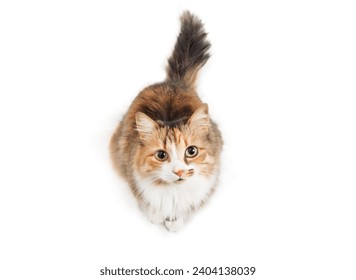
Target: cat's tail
190,51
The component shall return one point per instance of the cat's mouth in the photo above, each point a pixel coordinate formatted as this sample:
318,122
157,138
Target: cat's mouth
161,182
179,180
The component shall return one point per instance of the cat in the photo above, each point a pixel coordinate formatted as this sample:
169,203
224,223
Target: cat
167,146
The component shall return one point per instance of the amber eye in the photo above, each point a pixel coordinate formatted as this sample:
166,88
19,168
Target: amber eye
191,151
161,155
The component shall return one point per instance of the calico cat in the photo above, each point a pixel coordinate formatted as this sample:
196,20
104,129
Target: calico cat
167,146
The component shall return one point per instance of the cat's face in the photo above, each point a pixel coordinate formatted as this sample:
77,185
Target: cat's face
174,155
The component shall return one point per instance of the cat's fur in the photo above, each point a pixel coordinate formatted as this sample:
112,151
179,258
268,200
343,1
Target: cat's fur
149,147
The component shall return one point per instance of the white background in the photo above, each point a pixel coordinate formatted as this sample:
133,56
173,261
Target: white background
281,85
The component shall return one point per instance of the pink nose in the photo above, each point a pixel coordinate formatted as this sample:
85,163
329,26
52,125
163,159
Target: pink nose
179,172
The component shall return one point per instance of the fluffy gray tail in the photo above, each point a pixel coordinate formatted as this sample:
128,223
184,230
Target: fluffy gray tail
190,51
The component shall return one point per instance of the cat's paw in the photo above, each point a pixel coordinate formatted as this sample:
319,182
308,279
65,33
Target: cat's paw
174,225
155,218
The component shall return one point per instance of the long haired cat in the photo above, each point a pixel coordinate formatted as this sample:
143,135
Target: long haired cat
167,146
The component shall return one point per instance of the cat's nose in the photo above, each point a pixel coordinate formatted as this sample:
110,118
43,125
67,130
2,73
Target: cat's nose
178,172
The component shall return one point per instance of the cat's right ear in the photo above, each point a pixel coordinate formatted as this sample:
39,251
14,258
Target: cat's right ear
145,126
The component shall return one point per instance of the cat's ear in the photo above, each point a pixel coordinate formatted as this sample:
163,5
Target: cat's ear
200,119
145,125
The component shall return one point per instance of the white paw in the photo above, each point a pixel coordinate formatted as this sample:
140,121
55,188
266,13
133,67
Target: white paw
174,225
155,217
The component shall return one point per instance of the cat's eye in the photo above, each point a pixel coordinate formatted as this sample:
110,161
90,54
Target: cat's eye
161,155
191,151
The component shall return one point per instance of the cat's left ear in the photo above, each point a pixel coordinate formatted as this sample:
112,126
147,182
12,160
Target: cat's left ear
145,126
200,119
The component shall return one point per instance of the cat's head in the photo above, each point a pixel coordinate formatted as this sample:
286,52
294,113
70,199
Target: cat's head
172,155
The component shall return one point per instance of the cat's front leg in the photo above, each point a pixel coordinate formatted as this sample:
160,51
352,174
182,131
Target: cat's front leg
174,224
155,216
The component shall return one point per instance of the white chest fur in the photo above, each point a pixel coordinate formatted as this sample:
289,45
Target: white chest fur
175,200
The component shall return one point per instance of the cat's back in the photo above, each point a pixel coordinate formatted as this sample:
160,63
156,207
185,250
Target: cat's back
167,102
